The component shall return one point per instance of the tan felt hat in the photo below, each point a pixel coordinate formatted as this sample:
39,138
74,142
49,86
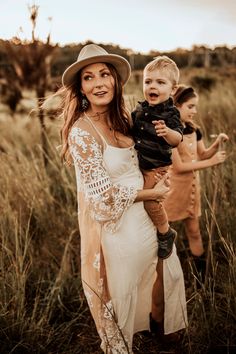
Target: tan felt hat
91,54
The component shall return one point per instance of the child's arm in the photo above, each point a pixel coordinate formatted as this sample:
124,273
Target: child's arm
206,153
171,136
181,167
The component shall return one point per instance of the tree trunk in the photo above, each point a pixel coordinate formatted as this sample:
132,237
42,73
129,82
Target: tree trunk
41,116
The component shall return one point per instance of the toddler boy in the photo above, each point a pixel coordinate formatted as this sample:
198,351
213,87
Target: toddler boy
156,130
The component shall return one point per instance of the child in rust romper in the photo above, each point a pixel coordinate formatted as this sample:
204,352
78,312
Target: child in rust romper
188,158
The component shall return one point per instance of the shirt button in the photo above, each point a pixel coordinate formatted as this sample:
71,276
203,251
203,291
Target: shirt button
142,128
146,114
139,141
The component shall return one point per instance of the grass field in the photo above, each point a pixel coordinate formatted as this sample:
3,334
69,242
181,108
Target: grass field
42,306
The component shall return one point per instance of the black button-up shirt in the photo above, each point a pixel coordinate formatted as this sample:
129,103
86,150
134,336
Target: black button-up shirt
154,151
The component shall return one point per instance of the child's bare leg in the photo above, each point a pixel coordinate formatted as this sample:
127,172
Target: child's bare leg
193,233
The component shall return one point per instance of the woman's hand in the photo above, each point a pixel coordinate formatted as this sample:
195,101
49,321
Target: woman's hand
162,188
159,175
157,193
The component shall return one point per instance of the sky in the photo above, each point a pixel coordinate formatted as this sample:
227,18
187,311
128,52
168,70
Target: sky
140,25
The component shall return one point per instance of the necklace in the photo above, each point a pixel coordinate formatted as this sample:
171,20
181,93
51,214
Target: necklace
97,114
114,140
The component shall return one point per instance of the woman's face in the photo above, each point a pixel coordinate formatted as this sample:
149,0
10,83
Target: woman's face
188,109
98,85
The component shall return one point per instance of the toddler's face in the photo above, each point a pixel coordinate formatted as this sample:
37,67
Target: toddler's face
157,86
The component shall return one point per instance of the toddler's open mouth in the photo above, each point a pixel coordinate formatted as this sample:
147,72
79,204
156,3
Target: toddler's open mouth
153,95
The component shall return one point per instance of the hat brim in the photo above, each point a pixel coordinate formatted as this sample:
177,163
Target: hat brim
120,63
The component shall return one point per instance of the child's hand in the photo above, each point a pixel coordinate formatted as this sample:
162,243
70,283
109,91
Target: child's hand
220,140
218,158
160,127
223,136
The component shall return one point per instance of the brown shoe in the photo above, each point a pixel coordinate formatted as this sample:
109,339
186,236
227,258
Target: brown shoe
165,243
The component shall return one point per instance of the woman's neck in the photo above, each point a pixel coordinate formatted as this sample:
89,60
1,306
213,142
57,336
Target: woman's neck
98,114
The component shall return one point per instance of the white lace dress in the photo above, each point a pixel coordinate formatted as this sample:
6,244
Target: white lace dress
119,246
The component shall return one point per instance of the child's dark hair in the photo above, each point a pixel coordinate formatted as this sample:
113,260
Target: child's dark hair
183,94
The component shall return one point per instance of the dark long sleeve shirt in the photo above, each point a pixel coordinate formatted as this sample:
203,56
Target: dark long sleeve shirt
154,151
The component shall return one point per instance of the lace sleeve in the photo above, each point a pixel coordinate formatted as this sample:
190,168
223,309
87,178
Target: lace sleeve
106,201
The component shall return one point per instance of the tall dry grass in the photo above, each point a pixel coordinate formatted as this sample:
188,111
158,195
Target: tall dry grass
42,306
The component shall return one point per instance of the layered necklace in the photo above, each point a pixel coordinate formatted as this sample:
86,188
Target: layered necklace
97,117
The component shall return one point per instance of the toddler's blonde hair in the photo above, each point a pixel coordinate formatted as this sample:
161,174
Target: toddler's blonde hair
162,62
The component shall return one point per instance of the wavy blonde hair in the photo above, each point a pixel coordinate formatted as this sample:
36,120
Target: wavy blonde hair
163,62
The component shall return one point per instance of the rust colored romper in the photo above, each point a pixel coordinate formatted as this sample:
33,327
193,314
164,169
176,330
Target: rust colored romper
183,200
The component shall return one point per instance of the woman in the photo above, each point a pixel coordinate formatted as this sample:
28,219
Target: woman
118,240
188,158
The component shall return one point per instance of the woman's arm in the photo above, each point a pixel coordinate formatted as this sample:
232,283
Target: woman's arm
106,200
181,167
206,153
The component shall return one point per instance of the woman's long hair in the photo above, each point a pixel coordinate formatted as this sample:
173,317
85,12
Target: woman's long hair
71,109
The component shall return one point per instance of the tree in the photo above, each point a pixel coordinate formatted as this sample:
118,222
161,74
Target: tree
31,64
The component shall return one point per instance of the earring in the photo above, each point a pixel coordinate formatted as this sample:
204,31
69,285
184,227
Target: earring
84,103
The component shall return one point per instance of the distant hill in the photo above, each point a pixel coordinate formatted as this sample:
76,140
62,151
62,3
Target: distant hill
195,57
